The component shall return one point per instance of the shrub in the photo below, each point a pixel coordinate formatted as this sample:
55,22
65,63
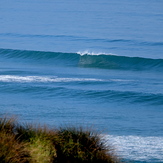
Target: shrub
78,146
35,144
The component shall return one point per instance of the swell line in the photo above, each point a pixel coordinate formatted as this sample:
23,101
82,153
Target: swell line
118,40
85,60
66,91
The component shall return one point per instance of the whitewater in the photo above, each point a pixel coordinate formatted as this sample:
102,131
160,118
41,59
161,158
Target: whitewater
93,64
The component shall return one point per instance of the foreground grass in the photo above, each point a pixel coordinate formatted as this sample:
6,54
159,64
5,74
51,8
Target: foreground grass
35,144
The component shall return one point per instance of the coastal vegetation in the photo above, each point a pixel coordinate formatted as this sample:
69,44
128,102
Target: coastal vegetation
29,143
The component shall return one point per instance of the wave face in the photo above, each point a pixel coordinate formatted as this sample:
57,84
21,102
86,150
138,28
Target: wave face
121,62
88,60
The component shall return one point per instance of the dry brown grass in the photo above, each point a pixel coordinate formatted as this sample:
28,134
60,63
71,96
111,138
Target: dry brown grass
11,150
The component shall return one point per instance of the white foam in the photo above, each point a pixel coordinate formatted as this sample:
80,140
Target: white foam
15,78
138,148
92,53
121,80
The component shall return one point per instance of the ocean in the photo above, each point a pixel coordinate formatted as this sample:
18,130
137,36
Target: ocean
96,64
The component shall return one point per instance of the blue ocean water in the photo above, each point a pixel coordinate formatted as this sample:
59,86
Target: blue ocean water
91,63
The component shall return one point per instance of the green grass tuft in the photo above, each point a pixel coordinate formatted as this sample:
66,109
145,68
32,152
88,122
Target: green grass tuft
41,150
